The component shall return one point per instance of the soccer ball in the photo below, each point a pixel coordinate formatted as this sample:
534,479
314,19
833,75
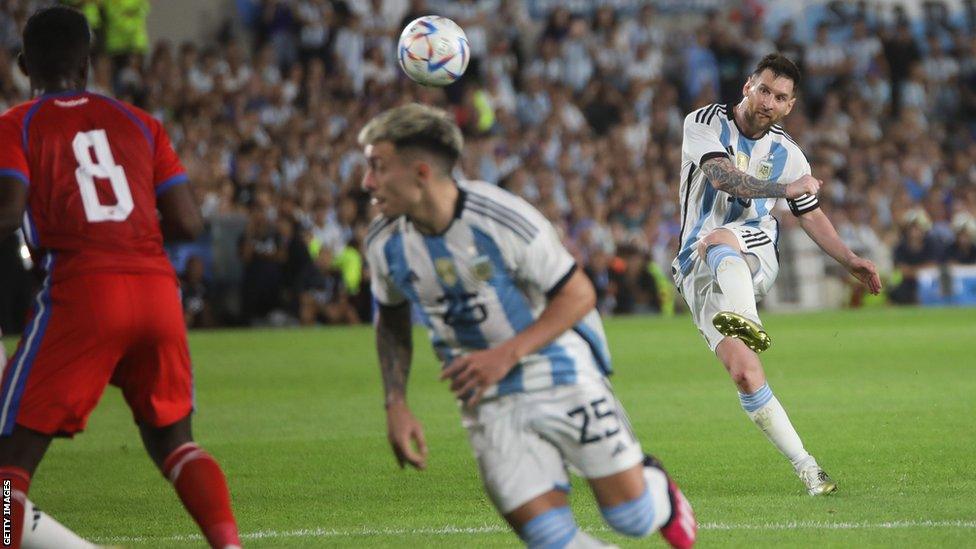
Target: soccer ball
433,51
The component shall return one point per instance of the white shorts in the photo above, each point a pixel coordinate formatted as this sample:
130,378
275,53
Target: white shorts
702,293
523,442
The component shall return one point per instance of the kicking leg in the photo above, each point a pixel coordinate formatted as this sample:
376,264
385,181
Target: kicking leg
720,250
764,409
197,478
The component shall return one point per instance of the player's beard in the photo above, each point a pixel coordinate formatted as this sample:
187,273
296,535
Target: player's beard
762,123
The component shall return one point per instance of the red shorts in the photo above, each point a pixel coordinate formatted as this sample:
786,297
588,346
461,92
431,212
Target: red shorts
91,330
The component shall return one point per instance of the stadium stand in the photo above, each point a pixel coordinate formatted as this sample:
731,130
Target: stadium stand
576,106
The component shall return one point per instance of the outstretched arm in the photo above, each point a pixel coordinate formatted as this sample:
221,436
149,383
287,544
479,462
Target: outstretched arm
726,177
821,230
475,372
394,345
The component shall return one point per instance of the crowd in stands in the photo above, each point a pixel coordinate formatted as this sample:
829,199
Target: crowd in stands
576,106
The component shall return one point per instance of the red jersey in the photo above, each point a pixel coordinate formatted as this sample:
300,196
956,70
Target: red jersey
93,167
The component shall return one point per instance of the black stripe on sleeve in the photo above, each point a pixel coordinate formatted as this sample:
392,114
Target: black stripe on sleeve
714,154
504,211
562,282
712,115
473,207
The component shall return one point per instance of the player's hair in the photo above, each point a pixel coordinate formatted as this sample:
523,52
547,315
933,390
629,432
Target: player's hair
57,42
780,65
417,126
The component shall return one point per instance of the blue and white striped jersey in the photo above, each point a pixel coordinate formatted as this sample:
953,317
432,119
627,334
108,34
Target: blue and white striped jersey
712,132
483,280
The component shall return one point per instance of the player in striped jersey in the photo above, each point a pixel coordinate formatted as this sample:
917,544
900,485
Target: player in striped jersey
513,322
736,163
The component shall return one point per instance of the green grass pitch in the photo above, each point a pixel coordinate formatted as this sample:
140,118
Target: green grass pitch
885,399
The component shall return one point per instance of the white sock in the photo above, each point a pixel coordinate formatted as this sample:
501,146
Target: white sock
764,409
735,278
582,540
43,532
657,483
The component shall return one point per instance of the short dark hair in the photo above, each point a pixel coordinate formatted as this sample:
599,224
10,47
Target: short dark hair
780,65
57,42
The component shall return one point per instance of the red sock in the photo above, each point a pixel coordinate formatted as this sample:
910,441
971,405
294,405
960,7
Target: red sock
14,483
201,486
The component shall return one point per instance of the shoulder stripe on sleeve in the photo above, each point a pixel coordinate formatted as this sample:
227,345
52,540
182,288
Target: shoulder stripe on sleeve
504,211
713,113
473,207
778,130
132,116
376,227
27,120
705,113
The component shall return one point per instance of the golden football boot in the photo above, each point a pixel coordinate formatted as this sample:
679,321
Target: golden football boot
817,481
735,325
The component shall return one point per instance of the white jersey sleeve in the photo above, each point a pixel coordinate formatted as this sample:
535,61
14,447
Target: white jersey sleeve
701,138
546,263
385,291
529,243
796,169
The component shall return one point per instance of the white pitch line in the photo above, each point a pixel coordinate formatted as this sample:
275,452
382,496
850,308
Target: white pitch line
490,529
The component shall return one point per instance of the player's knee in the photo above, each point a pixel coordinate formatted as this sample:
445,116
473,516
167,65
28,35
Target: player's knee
634,518
744,375
553,529
716,237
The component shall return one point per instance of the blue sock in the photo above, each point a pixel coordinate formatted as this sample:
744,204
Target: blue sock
758,399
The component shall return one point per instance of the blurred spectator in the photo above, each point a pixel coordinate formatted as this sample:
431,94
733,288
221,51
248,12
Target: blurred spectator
633,286
264,252
125,28
915,252
196,294
962,251
901,53
701,71
323,296
824,62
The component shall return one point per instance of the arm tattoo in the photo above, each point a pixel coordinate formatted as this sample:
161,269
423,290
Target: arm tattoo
725,177
394,345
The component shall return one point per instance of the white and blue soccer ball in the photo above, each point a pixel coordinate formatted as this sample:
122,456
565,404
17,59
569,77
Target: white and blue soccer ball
433,51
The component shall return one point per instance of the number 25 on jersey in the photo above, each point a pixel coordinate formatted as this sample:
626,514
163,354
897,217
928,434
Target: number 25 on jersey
103,167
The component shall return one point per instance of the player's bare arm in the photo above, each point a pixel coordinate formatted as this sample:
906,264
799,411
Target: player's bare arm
181,218
476,372
394,347
726,177
821,230
13,200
